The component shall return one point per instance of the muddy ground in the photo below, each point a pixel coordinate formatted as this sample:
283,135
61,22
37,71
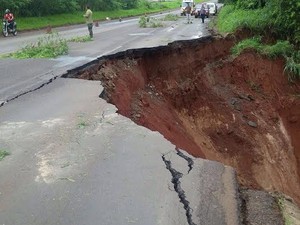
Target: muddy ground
240,111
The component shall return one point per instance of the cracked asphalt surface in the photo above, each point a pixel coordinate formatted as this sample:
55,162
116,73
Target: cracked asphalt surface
74,160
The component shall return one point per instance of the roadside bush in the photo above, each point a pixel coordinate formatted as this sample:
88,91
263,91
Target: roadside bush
250,43
145,4
280,18
48,7
250,4
143,21
232,19
49,46
146,21
280,48
286,18
155,23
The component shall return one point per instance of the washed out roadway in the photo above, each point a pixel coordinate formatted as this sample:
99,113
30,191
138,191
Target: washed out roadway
21,76
74,160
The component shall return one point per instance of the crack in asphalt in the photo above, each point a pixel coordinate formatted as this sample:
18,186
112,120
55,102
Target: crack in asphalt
181,193
188,159
29,91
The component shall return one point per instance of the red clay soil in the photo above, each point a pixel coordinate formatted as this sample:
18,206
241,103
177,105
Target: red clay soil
239,111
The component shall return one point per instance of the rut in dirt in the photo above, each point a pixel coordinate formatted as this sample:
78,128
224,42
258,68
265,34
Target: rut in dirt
239,111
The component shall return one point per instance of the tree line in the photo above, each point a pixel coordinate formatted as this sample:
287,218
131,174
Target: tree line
38,8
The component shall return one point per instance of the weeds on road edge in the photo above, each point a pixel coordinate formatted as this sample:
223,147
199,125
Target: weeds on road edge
146,21
82,124
49,46
279,49
85,38
171,17
3,154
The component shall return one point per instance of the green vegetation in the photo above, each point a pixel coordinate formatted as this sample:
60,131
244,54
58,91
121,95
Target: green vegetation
49,46
143,21
231,19
281,48
273,19
287,219
155,23
82,124
38,8
146,21
292,66
30,21
171,17
3,154
279,18
85,38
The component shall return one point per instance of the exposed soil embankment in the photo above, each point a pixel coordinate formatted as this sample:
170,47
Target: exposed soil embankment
239,111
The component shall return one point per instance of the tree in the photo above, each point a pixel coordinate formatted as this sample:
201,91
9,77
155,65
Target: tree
49,7
14,5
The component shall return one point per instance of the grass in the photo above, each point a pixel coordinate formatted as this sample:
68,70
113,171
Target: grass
231,19
80,39
3,154
279,49
258,21
49,46
30,23
250,43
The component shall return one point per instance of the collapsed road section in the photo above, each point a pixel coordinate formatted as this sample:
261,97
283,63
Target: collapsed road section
80,163
240,111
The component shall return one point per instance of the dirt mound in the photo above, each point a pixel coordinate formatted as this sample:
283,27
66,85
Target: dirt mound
239,111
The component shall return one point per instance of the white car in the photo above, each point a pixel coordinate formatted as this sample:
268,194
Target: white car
213,9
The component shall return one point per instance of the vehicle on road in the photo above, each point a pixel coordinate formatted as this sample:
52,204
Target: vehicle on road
197,10
9,28
213,8
184,5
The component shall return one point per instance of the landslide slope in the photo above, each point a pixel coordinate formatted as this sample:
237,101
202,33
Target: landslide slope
239,111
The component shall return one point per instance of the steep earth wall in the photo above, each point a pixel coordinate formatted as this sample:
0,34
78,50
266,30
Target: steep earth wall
239,111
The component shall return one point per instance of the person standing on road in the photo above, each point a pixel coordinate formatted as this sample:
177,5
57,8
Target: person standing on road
202,13
188,10
89,20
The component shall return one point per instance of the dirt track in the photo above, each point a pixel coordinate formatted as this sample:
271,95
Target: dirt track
239,111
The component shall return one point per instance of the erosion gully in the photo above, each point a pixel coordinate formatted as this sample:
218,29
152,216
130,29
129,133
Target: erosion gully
240,111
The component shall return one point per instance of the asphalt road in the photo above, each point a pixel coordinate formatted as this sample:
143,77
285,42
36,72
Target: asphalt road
75,161
21,76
